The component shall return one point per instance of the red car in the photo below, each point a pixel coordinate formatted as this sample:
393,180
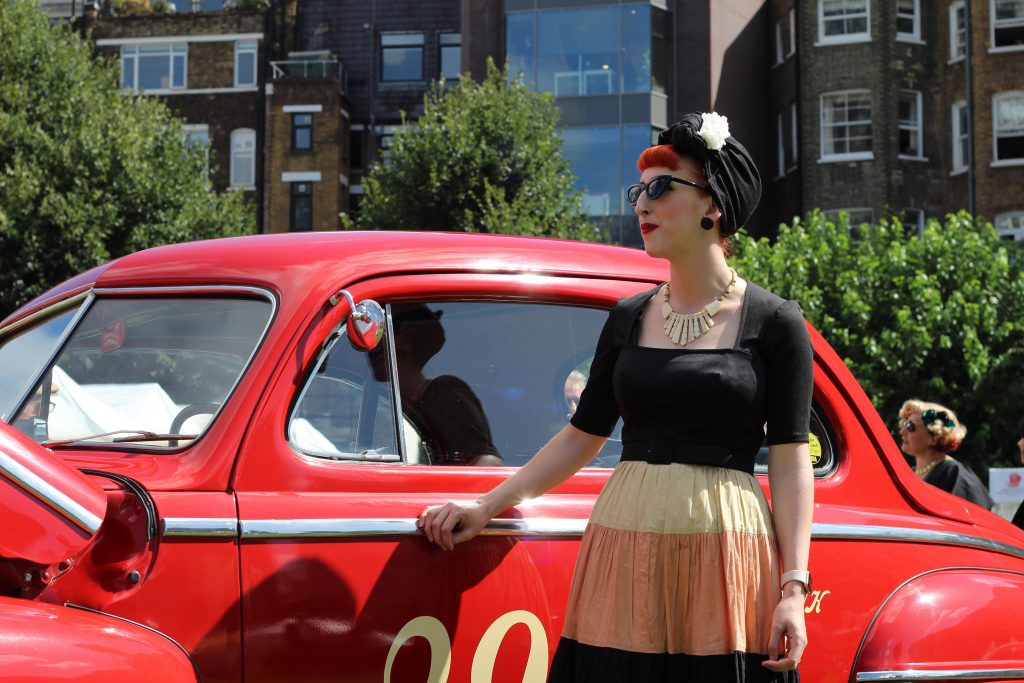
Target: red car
213,455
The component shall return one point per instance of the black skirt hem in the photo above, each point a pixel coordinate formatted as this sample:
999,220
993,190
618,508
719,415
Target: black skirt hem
576,662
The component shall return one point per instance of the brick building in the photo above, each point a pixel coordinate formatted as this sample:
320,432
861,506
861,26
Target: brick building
873,113
206,66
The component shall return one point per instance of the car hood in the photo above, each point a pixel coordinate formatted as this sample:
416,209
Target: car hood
50,510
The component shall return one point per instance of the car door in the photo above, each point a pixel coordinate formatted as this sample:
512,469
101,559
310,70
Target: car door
337,583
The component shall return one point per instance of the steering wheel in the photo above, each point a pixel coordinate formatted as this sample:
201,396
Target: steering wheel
188,411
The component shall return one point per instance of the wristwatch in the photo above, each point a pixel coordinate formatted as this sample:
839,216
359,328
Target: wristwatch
800,576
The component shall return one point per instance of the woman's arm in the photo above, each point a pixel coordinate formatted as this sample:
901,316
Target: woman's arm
560,458
791,481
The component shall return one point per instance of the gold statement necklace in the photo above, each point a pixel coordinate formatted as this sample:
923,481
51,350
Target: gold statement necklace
683,328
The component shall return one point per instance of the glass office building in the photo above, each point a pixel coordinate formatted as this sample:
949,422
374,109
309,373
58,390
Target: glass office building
610,67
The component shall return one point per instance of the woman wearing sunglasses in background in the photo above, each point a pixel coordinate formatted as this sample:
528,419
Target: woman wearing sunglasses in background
929,433
682,574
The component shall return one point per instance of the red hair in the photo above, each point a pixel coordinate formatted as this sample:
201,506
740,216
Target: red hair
667,156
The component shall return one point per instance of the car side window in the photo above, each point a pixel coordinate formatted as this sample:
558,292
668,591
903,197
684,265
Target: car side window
488,383
822,445
345,409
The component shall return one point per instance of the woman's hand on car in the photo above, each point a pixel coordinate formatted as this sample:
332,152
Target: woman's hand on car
452,523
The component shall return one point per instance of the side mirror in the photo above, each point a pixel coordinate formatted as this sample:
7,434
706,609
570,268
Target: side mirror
365,324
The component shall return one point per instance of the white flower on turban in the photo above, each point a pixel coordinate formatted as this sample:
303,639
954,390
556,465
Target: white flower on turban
714,129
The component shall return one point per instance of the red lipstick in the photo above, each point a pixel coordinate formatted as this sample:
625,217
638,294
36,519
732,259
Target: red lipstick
647,227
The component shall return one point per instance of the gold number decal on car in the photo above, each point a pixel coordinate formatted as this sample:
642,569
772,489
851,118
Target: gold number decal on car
814,446
815,598
487,650
440,647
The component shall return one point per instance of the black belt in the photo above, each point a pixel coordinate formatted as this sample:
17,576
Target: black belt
664,452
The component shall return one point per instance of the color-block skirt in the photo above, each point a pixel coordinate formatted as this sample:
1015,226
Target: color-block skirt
676,580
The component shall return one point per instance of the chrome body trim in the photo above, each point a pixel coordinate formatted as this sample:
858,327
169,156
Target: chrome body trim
887,533
348,528
43,312
199,527
49,494
941,675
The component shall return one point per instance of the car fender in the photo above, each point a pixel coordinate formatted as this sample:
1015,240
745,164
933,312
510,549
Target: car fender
952,620
42,642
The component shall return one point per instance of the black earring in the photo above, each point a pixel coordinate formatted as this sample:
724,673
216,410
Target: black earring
707,223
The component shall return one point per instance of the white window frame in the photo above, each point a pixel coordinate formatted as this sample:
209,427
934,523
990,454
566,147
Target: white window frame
780,148
190,128
779,56
919,223
844,38
1010,224
792,32
994,26
959,137
957,48
238,138
915,36
243,48
842,156
915,127
794,141
1013,132
173,49
833,214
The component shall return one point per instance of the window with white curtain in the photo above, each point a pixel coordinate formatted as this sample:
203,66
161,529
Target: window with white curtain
911,124
843,21
1008,126
243,158
960,133
1010,225
846,125
957,31
1007,24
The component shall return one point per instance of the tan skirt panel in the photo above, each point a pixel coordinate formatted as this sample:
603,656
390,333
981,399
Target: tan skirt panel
682,499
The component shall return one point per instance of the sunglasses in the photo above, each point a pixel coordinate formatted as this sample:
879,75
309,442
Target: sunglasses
656,187
927,417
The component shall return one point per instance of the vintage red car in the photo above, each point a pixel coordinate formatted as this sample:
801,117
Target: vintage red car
207,475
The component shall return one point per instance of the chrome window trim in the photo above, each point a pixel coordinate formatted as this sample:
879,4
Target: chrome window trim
49,494
941,675
199,527
54,310
192,290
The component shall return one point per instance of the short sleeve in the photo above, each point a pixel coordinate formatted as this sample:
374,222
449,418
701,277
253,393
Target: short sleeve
598,411
789,362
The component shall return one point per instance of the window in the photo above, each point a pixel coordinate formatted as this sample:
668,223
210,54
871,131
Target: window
198,135
792,32
451,55
1007,24
957,31
913,221
243,158
401,57
603,158
960,141
154,67
908,20
779,54
302,132
846,125
357,140
843,21
910,124
245,65
1010,225
302,207
163,365
1008,131
794,156
854,217
780,154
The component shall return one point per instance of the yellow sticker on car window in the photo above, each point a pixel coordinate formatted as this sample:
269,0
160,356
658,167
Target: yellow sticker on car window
814,445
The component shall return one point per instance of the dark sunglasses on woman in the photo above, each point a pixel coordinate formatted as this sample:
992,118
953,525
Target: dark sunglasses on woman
656,187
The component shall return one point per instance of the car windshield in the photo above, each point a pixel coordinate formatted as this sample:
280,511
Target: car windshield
145,367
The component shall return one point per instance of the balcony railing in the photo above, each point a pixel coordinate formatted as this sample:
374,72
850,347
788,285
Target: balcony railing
309,69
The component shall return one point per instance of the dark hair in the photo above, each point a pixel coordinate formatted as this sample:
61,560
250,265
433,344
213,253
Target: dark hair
422,325
1020,429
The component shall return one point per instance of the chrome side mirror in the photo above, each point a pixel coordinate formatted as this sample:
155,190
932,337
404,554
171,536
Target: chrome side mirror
365,324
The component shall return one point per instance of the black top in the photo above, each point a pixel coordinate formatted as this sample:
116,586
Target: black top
1018,518
450,416
713,402
958,479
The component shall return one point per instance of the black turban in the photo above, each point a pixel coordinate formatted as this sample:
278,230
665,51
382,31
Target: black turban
731,173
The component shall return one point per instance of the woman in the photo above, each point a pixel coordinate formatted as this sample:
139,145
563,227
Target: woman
1018,518
929,433
678,576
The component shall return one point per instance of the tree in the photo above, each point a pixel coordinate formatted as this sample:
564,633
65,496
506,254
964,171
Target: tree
484,157
86,173
938,317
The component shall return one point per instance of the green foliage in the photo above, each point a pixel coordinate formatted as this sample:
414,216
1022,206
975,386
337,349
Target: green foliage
938,317
86,173
484,157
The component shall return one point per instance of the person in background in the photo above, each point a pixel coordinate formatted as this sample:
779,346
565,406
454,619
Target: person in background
1018,518
930,432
